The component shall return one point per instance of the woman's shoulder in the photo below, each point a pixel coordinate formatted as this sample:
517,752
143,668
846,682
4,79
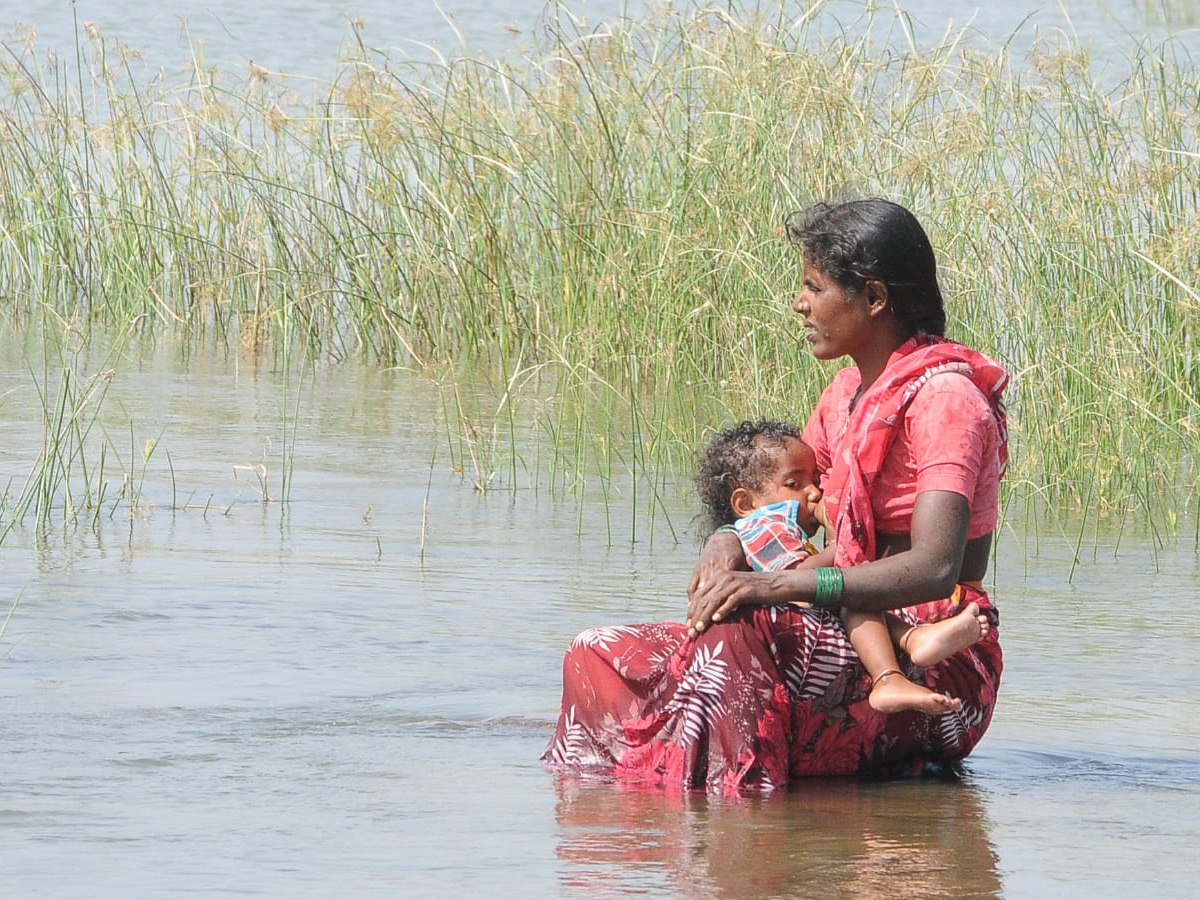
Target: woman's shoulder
946,391
951,418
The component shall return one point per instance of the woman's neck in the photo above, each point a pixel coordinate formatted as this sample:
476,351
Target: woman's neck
872,358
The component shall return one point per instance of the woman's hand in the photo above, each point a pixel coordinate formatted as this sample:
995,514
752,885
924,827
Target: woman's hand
721,583
718,594
722,555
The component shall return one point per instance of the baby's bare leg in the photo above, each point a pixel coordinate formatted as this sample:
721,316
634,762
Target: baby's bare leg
892,691
928,645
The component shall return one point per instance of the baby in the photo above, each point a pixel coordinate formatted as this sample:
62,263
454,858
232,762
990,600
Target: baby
758,481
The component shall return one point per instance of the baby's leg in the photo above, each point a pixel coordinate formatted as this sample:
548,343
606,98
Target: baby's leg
928,645
892,691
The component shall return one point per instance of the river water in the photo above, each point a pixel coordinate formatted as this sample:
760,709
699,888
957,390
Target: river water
346,694
302,37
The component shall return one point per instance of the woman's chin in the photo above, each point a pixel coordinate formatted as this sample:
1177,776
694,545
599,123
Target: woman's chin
823,351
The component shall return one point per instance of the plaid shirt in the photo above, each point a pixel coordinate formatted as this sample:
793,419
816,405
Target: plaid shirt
772,539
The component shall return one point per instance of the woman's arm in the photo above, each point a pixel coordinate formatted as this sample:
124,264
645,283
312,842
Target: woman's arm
927,570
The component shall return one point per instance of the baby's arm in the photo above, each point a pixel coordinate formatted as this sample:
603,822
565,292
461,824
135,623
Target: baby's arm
824,558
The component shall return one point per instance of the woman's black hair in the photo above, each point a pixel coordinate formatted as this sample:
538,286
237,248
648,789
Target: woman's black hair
875,240
738,457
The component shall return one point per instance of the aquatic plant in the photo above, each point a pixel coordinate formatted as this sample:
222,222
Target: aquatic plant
68,479
608,206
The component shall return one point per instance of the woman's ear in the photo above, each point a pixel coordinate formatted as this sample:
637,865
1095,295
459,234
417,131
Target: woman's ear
877,295
741,501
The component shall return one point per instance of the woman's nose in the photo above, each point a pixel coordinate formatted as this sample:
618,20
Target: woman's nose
800,304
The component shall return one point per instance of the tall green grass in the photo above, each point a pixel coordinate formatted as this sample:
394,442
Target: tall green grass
608,207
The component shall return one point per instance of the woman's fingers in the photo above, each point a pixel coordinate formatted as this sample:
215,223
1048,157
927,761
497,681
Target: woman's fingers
726,605
712,580
703,578
696,609
712,602
692,591
724,608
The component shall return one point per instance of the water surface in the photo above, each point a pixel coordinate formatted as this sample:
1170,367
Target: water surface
346,694
302,37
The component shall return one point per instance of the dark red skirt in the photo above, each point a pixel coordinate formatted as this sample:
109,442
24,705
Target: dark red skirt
771,694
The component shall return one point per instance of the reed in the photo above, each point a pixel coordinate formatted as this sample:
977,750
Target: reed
608,208
8,618
68,481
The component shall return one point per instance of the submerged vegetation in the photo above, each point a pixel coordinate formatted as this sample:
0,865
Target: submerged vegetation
605,213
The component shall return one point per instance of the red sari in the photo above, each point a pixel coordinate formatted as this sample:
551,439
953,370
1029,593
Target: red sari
775,693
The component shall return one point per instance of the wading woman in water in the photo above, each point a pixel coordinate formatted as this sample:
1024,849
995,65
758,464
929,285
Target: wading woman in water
760,684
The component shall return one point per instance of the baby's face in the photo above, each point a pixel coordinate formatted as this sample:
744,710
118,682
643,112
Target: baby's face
793,479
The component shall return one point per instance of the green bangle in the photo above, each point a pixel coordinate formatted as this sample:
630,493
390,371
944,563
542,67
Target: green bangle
829,588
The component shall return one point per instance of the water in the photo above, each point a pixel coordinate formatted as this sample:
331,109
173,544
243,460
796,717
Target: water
346,694
288,700
302,37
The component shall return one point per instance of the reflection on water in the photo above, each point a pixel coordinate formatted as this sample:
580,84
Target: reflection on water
827,839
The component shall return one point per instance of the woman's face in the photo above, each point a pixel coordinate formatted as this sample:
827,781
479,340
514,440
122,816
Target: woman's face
836,321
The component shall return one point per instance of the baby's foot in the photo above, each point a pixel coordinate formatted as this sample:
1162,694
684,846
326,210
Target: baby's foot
928,645
892,692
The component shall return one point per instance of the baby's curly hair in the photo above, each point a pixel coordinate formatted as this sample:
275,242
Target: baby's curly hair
734,458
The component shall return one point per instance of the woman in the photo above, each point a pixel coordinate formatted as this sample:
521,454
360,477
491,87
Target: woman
760,684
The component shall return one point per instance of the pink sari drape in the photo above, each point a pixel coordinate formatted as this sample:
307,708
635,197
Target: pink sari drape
872,429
